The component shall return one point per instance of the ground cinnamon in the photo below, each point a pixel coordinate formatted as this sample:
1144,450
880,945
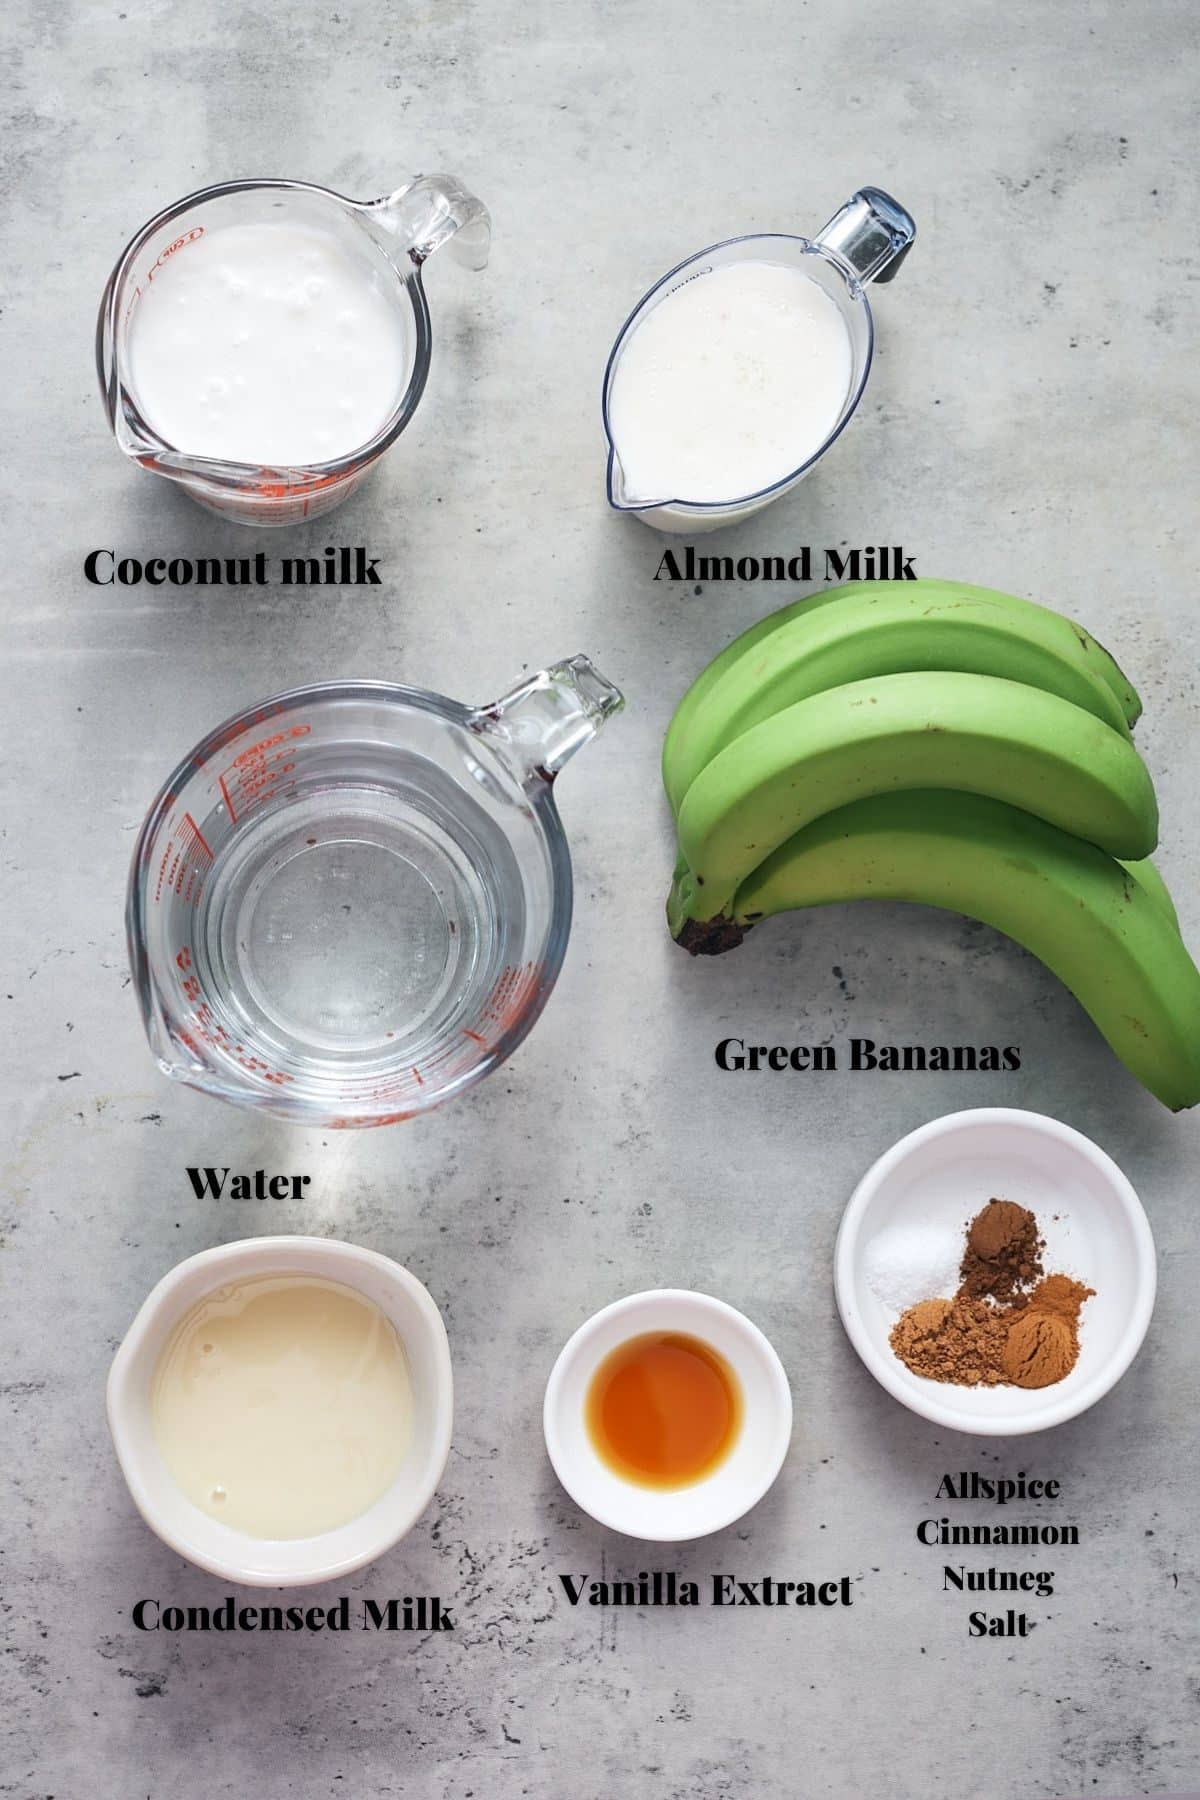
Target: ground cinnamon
1061,1296
1043,1344
1038,1350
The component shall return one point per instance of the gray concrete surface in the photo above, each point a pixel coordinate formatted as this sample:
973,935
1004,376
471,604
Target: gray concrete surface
1030,425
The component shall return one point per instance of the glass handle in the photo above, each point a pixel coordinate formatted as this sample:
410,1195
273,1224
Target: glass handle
871,235
132,442
106,372
542,723
430,211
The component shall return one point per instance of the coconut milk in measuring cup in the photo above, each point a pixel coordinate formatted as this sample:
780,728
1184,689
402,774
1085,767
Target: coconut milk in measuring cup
738,369
264,342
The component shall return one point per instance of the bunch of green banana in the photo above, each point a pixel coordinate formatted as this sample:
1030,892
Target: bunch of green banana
947,744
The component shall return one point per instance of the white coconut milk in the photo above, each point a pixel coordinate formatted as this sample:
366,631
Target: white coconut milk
270,343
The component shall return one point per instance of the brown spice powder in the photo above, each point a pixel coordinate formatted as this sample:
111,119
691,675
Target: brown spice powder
1007,1322
1061,1297
1038,1350
1043,1342
1003,1257
957,1340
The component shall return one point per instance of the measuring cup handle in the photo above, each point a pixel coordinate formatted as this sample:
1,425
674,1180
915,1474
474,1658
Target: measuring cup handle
541,724
105,338
871,235
431,211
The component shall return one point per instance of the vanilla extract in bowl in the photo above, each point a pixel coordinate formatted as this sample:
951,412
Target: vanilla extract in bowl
663,1410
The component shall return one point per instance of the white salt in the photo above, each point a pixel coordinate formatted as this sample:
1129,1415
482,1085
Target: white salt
904,1264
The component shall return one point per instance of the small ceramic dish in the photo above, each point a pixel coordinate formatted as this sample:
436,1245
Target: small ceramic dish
670,1515
1095,1231
278,1562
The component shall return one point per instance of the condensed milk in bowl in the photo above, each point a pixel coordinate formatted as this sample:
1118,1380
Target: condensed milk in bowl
738,369
281,1408
264,342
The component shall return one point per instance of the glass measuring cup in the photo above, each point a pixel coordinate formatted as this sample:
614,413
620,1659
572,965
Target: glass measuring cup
391,238
351,902
866,240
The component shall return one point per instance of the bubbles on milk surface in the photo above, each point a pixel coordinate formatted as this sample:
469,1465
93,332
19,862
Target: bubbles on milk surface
269,343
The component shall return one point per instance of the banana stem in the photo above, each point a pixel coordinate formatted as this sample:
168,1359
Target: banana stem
699,937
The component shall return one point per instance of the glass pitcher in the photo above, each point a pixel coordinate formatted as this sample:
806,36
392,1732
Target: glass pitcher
351,902
391,237
865,241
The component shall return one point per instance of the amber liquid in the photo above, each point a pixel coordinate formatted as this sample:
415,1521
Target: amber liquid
663,1410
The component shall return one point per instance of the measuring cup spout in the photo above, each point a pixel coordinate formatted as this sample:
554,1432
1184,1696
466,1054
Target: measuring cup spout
541,724
870,236
430,211
620,495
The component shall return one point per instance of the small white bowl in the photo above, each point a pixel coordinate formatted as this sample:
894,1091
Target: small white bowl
671,1515
280,1562
1093,1224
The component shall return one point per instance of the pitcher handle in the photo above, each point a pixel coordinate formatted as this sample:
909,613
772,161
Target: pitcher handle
106,369
541,724
871,235
430,211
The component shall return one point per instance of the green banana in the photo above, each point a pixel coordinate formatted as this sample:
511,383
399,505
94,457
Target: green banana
1097,925
681,719
1145,872
971,733
1110,670
882,628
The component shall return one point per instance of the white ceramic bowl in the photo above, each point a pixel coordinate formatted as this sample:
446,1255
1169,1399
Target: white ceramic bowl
737,1484
292,1562
1093,1224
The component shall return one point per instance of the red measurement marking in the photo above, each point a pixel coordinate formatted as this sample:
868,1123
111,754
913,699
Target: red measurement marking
514,993
476,1036
417,1078
257,772
238,729
206,1028
162,870
394,1118
185,862
197,835
228,799
189,237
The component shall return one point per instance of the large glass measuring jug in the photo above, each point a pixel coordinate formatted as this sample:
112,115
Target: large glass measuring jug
865,241
352,901
386,242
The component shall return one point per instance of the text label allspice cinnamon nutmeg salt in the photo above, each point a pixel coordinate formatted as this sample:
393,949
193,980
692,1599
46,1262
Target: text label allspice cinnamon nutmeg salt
1014,1575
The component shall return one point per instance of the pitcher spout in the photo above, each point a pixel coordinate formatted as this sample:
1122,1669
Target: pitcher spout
541,724
620,496
432,210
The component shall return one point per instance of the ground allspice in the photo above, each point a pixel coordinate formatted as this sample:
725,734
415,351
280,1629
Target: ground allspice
1007,1323
955,1340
